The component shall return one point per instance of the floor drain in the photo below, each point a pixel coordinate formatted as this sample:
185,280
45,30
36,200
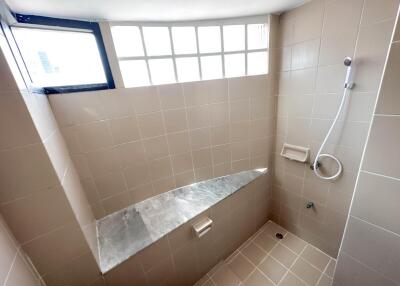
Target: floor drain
279,235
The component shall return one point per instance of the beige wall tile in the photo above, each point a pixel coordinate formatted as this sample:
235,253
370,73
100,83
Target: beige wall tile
182,163
384,207
195,93
381,156
116,202
171,96
102,161
239,110
199,117
178,142
156,147
124,130
8,248
111,183
21,274
94,136
308,21
151,125
145,99
161,168
137,175
57,251
131,153
175,120
127,273
22,131
24,171
388,102
202,158
117,104
29,217
305,54
352,271
375,12
372,246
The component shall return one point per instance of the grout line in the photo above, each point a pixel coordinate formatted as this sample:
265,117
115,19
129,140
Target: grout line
380,175
11,266
323,272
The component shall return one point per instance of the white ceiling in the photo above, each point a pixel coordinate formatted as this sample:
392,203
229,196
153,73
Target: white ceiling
151,10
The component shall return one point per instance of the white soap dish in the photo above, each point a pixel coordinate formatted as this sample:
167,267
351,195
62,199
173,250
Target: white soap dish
296,153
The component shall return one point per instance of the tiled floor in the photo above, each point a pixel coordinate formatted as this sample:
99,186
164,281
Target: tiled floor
263,260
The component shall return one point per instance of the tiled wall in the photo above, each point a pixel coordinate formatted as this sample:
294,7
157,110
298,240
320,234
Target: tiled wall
180,259
131,144
314,39
41,198
15,269
370,252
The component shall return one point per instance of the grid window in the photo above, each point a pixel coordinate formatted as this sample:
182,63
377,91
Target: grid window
235,65
150,55
257,36
134,73
257,63
157,41
188,69
184,39
234,38
210,39
127,41
162,71
211,67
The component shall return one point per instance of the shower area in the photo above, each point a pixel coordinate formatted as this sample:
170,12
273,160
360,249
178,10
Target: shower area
263,179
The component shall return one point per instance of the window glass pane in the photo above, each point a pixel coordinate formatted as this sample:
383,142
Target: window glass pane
211,67
235,65
162,71
257,63
157,41
188,69
184,40
127,41
234,38
57,58
257,35
209,39
134,73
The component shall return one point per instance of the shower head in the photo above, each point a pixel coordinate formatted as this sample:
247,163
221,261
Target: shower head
347,61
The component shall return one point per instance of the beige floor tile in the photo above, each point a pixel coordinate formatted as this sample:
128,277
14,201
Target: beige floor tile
330,269
254,253
265,241
241,266
316,257
272,228
258,279
291,280
325,281
294,243
273,269
306,272
273,257
283,255
225,277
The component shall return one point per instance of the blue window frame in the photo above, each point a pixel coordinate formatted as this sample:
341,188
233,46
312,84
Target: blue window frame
56,24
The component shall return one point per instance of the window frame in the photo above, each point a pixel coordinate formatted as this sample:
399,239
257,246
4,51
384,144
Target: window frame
261,19
33,21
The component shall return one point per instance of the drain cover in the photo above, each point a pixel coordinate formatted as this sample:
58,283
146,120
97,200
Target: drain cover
279,235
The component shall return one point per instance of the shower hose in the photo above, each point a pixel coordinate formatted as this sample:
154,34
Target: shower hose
347,86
